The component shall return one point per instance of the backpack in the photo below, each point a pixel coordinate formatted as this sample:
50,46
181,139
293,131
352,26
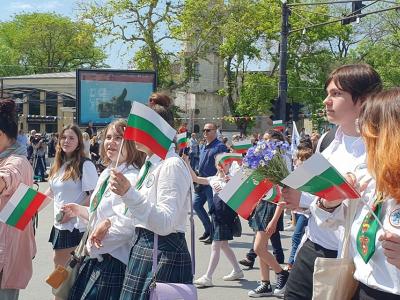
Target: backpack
327,139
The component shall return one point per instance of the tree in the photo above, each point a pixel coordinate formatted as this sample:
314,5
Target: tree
46,42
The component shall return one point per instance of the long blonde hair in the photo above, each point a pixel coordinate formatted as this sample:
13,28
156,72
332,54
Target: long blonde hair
72,168
379,123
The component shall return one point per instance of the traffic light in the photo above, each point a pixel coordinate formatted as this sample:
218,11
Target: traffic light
289,113
275,103
296,107
356,7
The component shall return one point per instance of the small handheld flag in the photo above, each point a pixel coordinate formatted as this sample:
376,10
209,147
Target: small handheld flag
225,158
318,177
243,192
278,125
147,127
22,206
241,146
182,140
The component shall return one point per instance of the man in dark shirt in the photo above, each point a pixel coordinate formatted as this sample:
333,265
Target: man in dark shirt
207,168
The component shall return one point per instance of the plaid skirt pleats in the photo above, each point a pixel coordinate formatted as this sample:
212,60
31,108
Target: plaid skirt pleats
64,239
174,263
99,280
262,215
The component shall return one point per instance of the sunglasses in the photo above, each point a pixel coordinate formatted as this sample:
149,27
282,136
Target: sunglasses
207,130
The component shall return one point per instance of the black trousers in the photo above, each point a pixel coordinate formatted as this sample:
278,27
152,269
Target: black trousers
300,282
364,292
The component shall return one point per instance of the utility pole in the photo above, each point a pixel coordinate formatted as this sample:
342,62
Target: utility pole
283,85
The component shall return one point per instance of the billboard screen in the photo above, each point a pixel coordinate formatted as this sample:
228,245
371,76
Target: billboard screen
104,95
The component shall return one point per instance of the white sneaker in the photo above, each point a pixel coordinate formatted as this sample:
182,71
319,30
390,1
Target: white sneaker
233,276
290,227
203,281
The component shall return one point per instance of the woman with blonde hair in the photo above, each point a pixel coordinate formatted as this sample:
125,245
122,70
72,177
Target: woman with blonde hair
375,249
72,179
102,272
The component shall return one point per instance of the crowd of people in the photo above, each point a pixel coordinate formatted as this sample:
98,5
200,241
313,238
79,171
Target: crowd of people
140,201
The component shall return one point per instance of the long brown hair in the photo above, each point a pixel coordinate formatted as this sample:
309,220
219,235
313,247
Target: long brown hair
72,168
379,124
134,157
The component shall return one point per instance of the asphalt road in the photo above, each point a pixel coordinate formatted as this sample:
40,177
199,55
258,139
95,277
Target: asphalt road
43,263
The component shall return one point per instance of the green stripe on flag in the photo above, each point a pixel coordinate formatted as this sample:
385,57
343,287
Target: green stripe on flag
21,207
136,121
330,177
243,192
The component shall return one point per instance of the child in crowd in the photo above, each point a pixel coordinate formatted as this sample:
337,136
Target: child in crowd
223,218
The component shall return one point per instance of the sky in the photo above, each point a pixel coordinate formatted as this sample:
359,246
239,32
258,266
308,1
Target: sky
67,8
116,58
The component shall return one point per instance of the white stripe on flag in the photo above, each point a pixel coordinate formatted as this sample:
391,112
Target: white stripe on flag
240,143
147,113
13,202
312,167
181,136
277,122
233,185
295,138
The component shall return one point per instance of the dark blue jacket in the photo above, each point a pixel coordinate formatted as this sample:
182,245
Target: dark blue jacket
207,158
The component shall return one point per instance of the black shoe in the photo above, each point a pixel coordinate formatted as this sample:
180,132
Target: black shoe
247,263
281,279
207,241
263,290
204,236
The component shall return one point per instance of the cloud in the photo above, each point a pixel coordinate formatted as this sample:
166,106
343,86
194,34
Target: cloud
21,6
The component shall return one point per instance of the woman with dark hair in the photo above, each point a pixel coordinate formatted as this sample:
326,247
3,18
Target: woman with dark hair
71,180
17,247
347,88
102,273
375,250
159,205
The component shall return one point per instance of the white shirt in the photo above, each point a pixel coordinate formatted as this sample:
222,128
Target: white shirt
168,183
377,273
70,191
217,183
120,234
345,153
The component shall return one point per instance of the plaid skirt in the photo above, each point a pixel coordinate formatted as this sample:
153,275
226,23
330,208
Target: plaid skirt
221,232
64,239
262,215
99,280
174,263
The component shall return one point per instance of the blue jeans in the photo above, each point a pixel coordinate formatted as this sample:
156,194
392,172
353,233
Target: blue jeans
204,194
301,223
194,161
276,248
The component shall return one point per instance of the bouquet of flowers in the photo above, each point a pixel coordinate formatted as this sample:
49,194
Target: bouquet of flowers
267,158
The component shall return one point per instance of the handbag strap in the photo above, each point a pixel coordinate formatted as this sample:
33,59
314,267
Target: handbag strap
192,242
79,251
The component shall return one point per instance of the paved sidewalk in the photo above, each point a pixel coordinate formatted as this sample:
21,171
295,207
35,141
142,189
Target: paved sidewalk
236,290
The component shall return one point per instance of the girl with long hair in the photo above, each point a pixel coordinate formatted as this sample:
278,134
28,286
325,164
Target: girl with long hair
72,179
102,272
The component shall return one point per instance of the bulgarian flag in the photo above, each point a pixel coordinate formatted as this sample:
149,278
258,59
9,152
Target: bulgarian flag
244,191
278,125
22,206
147,127
182,140
225,158
273,195
318,177
241,146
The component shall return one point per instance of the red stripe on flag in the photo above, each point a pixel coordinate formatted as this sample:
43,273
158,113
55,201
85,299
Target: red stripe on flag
232,159
253,198
240,150
146,139
182,145
30,211
336,192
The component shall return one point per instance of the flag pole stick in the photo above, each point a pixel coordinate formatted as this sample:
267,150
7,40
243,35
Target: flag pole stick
119,152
